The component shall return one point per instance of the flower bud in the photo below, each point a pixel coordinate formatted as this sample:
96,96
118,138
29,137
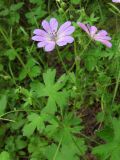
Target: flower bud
63,4
74,88
58,1
60,10
71,17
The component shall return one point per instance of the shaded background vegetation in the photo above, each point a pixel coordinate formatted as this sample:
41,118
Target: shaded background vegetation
88,127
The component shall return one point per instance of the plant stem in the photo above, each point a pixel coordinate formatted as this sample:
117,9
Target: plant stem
14,111
60,57
116,87
49,6
55,155
4,119
12,75
80,54
17,55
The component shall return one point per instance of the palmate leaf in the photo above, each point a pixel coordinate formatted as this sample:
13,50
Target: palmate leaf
66,128
35,122
69,151
31,69
110,150
53,90
64,133
4,156
36,148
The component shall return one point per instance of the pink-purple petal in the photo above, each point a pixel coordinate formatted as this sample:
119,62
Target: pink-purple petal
46,26
61,43
97,37
93,30
41,44
116,1
102,33
64,40
38,38
54,24
84,27
105,42
64,27
50,46
40,32
101,36
67,32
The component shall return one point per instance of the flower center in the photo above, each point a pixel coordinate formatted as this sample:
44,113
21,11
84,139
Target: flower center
53,36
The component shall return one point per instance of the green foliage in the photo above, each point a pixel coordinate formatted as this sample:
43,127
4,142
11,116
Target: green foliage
64,107
11,54
11,12
35,121
53,90
111,136
36,12
3,104
30,69
75,1
4,155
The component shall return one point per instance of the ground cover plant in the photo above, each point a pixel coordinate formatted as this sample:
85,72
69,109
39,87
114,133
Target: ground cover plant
59,80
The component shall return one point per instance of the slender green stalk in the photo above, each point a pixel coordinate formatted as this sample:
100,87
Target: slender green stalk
49,6
100,10
64,12
77,55
60,58
118,78
86,47
17,55
14,111
55,155
41,60
63,64
12,75
5,119
79,149
77,63
116,23
116,87
89,138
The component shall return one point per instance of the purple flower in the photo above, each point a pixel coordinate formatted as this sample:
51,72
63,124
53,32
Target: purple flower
116,1
101,36
51,35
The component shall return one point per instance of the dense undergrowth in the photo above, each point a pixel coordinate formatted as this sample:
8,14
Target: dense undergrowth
64,104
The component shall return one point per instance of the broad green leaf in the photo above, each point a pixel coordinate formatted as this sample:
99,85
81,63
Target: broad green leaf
36,13
20,143
31,69
111,149
90,63
4,156
66,128
75,149
36,148
11,53
53,90
15,7
35,122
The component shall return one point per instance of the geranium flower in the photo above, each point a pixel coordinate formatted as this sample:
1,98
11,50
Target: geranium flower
52,36
116,1
101,36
